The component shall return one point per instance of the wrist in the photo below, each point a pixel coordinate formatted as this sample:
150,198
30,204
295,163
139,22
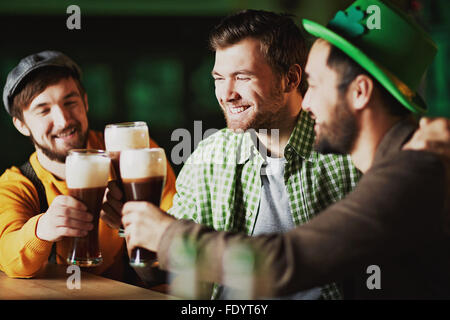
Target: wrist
39,226
164,224
35,243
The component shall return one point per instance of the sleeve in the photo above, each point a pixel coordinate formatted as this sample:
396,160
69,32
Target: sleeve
22,253
169,189
383,216
184,202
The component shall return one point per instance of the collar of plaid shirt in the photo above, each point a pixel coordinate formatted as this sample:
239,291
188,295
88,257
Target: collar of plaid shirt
301,142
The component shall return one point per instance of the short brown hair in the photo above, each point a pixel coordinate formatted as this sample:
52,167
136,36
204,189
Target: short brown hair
282,42
36,82
348,70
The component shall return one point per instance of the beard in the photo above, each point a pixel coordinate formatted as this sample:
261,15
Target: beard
60,155
270,118
339,135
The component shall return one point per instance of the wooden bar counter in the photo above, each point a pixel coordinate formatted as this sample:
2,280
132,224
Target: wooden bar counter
51,284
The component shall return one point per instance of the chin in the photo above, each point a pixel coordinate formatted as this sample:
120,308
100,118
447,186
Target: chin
238,125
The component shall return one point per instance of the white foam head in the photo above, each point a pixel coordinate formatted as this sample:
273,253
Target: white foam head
143,163
87,170
127,135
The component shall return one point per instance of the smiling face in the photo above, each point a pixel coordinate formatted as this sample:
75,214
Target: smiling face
248,91
56,120
335,126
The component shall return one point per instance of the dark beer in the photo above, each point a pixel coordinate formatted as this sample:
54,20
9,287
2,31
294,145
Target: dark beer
87,250
146,189
123,136
115,162
87,173
143,174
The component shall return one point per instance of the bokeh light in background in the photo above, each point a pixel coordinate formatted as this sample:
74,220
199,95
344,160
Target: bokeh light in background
149,60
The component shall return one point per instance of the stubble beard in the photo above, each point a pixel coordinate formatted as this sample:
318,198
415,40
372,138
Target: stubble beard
58,155
262,120
339,135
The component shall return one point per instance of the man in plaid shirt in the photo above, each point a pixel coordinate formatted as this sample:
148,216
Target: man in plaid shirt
260,174
227,183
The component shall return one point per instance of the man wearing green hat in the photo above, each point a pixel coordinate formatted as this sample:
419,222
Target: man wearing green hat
387,238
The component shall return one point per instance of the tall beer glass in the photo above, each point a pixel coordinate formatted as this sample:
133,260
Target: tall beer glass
87,173
143,175
124,136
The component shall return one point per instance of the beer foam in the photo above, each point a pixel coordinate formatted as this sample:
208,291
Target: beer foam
123,138
87,171
143,163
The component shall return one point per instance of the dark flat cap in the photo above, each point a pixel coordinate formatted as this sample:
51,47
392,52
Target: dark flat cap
33,62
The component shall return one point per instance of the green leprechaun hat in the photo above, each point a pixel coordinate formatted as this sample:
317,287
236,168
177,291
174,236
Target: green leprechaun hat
386,43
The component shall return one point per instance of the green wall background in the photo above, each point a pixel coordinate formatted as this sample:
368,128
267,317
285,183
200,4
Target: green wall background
149,60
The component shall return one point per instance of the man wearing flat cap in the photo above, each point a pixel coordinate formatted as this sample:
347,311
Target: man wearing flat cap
47,102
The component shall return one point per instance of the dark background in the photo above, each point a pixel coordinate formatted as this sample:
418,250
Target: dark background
149,60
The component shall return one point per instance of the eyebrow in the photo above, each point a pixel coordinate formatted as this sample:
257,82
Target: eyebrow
242,71
71,95
67,96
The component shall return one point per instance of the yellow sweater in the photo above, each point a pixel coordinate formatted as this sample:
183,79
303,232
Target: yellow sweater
22,253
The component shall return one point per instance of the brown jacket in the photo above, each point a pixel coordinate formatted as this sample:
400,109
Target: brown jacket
393,219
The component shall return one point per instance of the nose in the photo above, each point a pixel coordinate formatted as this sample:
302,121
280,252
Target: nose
61,116
227,91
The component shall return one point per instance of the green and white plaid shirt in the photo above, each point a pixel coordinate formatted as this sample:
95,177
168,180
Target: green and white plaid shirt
220,184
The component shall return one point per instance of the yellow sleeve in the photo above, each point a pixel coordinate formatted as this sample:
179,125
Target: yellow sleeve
22,253
169,189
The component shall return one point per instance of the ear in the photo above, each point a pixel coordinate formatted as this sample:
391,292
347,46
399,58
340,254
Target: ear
21,127
294,76
360,91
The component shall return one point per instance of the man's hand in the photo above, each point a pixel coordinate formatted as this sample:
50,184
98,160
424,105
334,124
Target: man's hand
144,224
112,206
433,135
66,217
